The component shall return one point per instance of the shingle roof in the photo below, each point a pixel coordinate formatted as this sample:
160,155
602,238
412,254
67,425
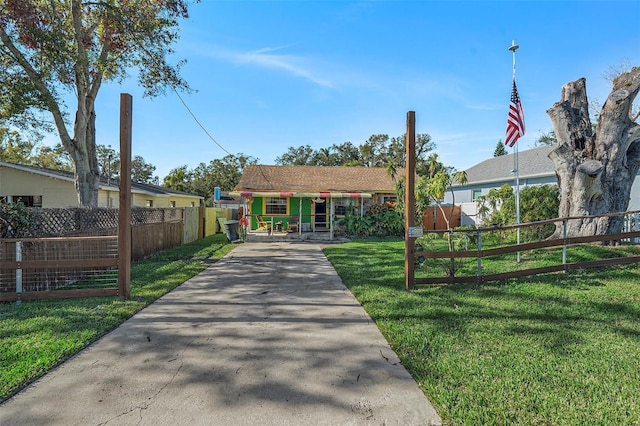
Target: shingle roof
314,178
113,183
532,163
54,173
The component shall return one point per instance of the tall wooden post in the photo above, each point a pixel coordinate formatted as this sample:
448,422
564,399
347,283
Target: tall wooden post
124,210
409,201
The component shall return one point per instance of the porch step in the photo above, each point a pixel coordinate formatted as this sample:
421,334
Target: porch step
291,236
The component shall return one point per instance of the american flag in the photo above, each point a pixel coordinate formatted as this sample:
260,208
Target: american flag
515,120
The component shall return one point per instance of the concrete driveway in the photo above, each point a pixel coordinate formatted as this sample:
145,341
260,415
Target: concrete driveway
268,335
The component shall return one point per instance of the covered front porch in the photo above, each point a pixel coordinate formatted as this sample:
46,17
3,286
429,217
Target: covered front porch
287,215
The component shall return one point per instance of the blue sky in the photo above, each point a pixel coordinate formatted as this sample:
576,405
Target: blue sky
269,75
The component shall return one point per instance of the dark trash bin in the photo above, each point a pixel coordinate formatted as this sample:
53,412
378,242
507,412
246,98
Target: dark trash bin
231,230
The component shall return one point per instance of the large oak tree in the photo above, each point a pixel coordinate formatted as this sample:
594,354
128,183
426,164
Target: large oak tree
50,49
596,167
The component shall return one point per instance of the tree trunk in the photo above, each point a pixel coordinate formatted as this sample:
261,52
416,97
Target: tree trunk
595,170
83,152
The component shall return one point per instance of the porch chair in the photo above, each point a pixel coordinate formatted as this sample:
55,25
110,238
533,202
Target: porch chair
262,225
293,224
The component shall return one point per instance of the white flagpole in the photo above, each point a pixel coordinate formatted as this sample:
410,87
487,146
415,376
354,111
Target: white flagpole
513,49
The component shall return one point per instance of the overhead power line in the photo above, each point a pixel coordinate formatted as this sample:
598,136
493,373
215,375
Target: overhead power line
173,87
198,121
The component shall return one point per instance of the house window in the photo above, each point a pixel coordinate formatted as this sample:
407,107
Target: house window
148,203
275,205
26,200
341,206
172,204
475,194
390,200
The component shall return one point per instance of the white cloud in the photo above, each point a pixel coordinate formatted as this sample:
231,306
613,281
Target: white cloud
267,57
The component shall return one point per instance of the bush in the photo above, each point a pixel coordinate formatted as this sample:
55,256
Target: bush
16,220
536,203
380,220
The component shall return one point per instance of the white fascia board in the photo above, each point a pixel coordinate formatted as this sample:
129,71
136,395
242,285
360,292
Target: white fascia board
505,180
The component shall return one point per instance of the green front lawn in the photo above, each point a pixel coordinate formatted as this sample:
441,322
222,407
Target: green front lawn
547,350
35,336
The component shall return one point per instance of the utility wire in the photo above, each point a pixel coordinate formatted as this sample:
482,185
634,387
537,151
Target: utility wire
198,121
173,87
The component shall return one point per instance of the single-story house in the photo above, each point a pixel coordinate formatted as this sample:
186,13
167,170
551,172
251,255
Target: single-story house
49,188
535,168
310,198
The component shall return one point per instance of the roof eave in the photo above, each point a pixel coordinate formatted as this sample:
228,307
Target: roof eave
504,179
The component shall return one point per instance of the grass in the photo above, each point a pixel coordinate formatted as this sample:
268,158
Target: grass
35,336
548,350
529,258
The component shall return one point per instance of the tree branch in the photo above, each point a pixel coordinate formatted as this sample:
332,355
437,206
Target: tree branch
97,80
570,117
80,66
614,124
619,102
39,83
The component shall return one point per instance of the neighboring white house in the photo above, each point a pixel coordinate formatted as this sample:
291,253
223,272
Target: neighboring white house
535,168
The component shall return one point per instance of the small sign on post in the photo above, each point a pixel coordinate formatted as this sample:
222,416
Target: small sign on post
414,231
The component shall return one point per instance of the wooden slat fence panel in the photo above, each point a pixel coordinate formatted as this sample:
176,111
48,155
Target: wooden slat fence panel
191,224
211,224
432,217
150,239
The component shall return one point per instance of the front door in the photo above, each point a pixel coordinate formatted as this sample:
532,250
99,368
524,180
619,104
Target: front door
320,213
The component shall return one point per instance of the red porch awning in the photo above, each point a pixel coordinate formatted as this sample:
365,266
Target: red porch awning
289,194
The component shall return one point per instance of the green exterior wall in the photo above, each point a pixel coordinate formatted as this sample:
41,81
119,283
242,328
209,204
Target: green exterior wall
293,207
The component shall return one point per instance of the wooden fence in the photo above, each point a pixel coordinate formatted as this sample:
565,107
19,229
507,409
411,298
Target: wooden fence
52,268
433,219
156,237
86,264
474,249
193,224
211,216
149,238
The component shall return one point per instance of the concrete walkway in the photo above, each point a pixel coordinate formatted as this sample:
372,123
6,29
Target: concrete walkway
269,335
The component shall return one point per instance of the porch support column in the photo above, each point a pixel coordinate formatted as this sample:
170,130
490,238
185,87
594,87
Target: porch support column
300,217
331,211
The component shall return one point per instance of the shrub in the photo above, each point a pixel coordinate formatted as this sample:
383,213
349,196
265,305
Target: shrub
16,220
380,220
538,202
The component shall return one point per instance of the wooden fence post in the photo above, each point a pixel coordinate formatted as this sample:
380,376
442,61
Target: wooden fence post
479,261
124,209
410,205
18,271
